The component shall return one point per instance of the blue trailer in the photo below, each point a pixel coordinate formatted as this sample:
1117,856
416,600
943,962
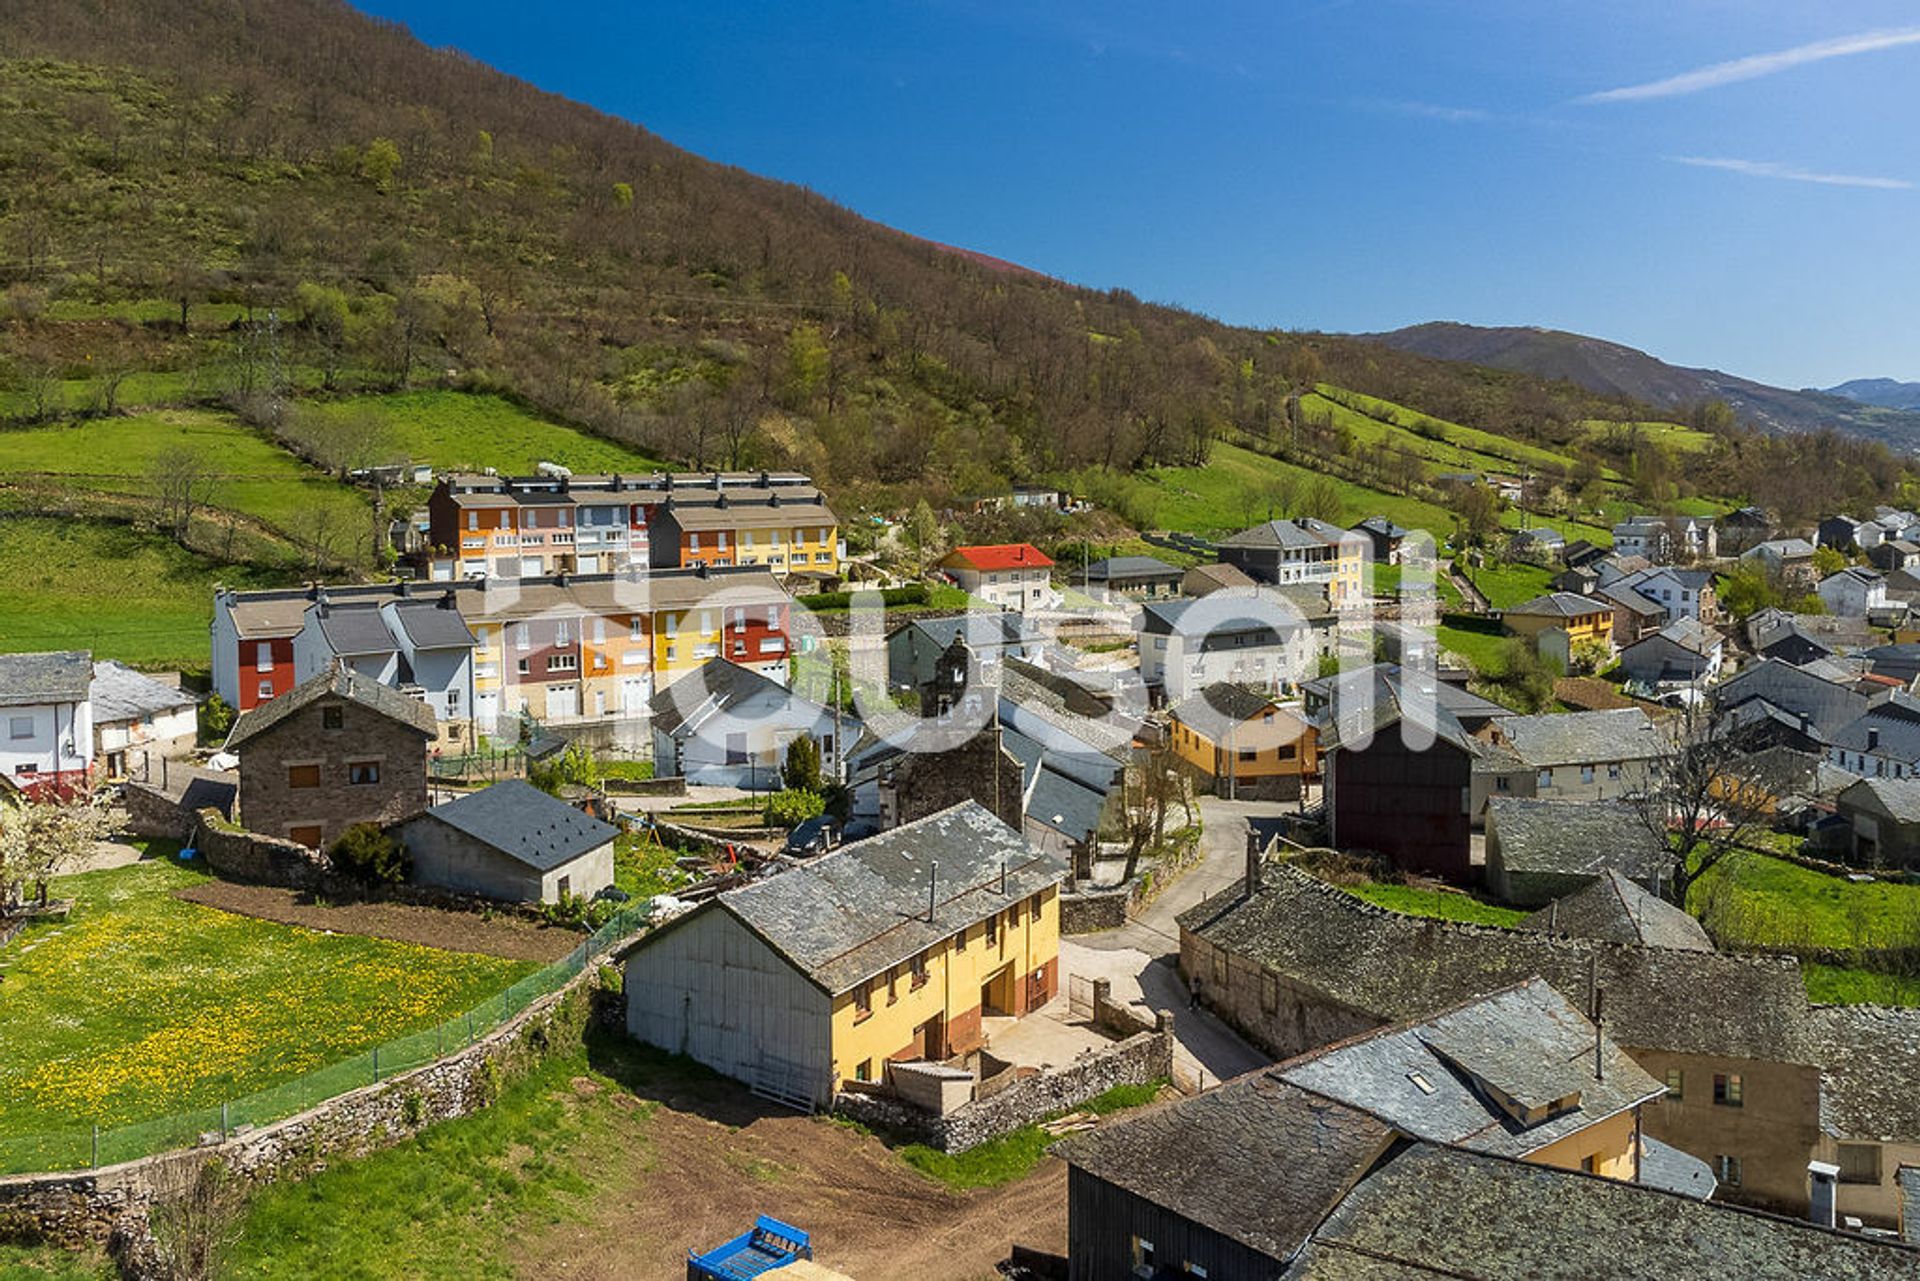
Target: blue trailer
770,1245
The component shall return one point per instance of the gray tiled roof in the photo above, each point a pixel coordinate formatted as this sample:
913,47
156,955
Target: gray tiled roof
853,913
1828,706
354,629
526,824
1457,1214
1398,967
1899,797
118,693
717,686
1559,605
1581,838
1220,706
1256,1160
1388,678
1867,1055
1281,533
1527,1041
1129,567
1578,738
1616,910
434,624
58,677
1891,729
343,682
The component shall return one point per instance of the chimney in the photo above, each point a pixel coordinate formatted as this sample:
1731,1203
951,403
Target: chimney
1599,1019
1824,1180
1253,862
406,588
933,881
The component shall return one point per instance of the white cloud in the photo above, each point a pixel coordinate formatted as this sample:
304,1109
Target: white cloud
1433,111
1763,64
1769,169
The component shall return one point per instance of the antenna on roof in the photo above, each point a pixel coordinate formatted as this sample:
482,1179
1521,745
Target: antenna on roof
1599,1059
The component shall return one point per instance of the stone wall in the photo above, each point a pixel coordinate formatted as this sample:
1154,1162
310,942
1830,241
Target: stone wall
153,814
673,785
1088,911
1147,1056
240,855
111,1204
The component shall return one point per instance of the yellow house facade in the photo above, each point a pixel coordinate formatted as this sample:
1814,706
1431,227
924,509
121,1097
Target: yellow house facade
906,945
1583,618
1243,742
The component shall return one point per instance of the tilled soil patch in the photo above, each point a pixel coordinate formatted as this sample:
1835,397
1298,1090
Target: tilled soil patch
454,931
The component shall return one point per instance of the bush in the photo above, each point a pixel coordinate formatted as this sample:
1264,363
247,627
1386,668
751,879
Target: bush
801,772
892,597
216,718
794,807
574,767
367,854
577,912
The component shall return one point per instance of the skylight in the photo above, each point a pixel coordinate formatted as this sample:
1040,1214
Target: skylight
1420,1083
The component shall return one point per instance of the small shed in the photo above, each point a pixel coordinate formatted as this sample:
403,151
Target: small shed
511,842
1883,815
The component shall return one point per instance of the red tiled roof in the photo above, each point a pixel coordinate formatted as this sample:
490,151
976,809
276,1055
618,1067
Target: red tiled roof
1003,556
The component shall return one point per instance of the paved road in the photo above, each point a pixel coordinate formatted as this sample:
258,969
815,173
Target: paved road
1139,958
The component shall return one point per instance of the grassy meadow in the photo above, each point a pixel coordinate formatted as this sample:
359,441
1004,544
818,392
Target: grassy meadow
466,431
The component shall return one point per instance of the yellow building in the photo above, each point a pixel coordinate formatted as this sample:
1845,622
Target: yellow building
896,947
1519,1073
1243,743
1582,618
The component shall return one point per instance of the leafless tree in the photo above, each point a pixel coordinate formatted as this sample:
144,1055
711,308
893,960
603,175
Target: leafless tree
183,483
1709,791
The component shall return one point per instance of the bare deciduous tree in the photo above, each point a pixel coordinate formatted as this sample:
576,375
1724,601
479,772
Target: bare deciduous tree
183,483
1709,792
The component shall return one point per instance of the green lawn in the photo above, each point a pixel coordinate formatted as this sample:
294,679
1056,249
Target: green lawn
1509,584
1225,495
1831,985
1013,1156
1386,582
644,867
452,1202
1757,901
1449,446
51,1263
452,429
1445,905
86,584
254,476
1672,435
144,1005
1478,641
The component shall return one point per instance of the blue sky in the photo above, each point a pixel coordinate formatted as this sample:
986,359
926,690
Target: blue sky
1733,183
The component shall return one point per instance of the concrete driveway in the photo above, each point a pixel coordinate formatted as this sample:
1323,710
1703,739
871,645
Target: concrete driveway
1140,958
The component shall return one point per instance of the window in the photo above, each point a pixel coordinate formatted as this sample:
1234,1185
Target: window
1613,771
532,521
1249,753
1859,1163
1420,1082
1676,1084
862,1001
1546,778
266,689
19,727
599,631
893,990
773,616
1590,1163
720,541
1586,773
863,1070
1726,1089
361,773
302,776
473,520
562,637
333,717
993,929
263,657
1502,783
1727,1170
1142,1253
522,639
634,625
693,542
919,978
563,662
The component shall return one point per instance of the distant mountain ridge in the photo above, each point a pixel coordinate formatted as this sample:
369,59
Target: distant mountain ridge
1612,368
1887,393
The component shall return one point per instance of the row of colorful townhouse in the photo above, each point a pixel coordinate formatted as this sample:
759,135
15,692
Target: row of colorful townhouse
485,526
480,652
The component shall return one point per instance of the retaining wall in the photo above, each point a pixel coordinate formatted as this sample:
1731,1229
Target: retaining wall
1143,1057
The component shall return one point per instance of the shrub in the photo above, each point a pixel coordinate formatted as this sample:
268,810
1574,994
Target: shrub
794,807
577,912
216,718
573,767
367,854
801,772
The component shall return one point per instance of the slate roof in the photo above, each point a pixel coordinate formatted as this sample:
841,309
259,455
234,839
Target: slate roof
118,693
1129,567
1577,838
1384,527
1558,605
526,824
714,688
1440,1211
1216,577
1350,722
1900,797
853,913
354,629
1389,677
1577,738
1282,534
1867,1055
749,514
1779,548
1623,594
1256,1159
338,681
985,630
1896,721
1398,967
1827,705
1162,617
1223,706
1689,634
1527,1041
434,624
62,676
1615,909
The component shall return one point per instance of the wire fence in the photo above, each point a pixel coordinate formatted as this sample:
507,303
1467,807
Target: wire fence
86,1147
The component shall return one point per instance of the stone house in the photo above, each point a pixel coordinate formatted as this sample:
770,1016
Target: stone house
139,721
1541,850
338,750
1883,821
